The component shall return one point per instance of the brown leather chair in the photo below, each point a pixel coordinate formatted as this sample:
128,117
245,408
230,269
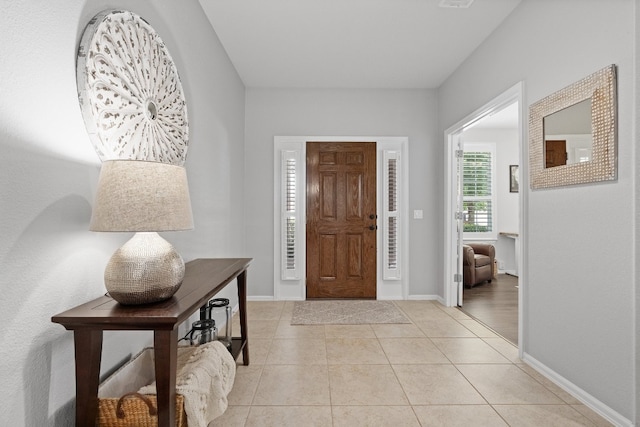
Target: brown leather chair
477,262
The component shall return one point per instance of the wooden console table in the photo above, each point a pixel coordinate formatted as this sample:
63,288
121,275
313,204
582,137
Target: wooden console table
203,279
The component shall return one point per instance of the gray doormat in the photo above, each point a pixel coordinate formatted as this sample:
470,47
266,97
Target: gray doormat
346,312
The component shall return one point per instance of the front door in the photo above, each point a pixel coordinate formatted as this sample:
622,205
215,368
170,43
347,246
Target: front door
556,153
341,220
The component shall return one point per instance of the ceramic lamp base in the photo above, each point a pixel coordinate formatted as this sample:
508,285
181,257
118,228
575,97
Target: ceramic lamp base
144,270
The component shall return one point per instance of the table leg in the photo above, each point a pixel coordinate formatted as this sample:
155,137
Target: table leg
166,355
88,353
242,311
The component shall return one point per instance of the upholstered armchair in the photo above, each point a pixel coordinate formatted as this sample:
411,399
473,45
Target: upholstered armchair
477,263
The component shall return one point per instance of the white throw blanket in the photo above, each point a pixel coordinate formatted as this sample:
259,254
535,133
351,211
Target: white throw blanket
204,377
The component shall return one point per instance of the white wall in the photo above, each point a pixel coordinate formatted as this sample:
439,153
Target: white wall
507,203
636,231
579,276
48,174
411,113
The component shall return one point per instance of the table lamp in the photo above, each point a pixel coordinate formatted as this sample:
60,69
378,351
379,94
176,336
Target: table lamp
143,197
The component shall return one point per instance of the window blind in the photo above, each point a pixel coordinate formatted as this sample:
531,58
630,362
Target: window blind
391,257
290,216
478,194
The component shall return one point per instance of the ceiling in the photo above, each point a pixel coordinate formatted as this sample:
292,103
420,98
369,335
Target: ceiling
350,43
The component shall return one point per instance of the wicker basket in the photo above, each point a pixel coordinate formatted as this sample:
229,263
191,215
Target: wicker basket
119,404
135,410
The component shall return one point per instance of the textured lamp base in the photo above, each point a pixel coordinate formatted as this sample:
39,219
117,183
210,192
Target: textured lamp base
144,270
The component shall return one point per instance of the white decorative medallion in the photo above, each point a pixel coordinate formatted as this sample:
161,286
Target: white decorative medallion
129,91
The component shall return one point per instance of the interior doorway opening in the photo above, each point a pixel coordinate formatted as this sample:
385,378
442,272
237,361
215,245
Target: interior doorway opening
487,147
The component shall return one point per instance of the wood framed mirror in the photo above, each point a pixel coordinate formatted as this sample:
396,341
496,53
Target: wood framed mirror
572,133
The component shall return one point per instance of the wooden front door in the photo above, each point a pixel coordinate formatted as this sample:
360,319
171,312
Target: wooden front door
341,220
555,153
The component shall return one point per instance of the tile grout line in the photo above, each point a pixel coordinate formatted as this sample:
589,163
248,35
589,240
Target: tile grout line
496,343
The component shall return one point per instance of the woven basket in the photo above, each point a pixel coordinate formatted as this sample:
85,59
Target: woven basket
135,410
120,406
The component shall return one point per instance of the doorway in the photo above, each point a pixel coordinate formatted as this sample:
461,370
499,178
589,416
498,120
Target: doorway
341,220
476,128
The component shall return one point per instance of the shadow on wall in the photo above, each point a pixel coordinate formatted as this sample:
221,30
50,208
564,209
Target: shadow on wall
43,283
42,264
50,262
37,385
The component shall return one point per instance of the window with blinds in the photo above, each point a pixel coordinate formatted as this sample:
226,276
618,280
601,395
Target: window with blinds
391,257
290,216
478,189
291,220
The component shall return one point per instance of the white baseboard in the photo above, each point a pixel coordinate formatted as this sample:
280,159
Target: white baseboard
509,272
381,298
588,400
423,297
260,298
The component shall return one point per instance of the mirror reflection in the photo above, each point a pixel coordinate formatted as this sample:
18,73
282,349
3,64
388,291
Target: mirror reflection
568,137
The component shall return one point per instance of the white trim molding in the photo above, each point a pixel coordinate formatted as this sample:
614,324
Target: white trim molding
260,298
417,297
588,400
290,277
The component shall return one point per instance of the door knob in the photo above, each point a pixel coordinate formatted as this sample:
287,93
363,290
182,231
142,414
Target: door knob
373,216
373,227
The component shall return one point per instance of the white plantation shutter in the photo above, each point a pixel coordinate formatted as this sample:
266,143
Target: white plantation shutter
290,216
478,195
391,218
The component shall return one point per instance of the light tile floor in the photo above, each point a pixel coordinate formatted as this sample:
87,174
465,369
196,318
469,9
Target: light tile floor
444,369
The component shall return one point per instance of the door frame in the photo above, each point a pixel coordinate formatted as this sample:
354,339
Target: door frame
452,138
294,288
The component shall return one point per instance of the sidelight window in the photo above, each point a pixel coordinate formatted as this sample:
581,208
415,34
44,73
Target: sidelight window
290,219
391,202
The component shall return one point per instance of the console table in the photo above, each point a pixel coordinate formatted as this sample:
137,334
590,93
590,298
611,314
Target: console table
203,279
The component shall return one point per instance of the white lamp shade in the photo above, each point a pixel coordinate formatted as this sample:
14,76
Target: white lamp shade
144,197
137,195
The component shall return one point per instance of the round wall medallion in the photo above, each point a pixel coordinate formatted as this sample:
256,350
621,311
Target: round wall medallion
129,91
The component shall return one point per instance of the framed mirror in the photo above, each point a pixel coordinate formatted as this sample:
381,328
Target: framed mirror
572,133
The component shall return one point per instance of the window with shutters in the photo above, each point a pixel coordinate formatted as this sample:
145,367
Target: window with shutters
391,231
478,191
290,216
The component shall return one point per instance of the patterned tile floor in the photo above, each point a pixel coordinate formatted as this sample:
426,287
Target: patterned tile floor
443,369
